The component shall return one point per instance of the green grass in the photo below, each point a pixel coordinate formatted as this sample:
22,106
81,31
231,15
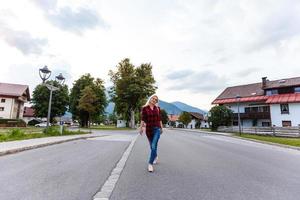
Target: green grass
279,140
13,134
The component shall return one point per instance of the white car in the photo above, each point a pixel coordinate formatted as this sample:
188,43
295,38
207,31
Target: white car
43,124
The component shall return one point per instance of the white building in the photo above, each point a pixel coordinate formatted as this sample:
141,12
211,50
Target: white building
121,123
12,99
268,103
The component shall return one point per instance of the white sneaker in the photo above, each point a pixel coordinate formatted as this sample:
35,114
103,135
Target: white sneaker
155,160
150,168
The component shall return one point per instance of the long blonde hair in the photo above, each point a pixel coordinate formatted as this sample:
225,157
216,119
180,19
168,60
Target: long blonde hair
149,99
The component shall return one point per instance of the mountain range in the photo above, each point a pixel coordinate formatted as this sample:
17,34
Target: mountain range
175,108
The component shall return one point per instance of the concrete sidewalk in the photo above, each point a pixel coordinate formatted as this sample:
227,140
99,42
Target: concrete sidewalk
202,131
22,145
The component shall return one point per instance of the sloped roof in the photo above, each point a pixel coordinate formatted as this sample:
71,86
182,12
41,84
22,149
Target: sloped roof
197,115
249,90
254,91
284,98
28,112
173,118
283,83
14,90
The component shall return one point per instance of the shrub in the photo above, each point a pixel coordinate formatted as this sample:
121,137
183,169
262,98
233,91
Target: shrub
16,133
52,131
12,123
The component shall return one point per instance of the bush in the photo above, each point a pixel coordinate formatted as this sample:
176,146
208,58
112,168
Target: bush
51,131
12,123
16,133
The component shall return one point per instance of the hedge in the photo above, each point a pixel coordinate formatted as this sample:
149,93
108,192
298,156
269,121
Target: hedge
12,123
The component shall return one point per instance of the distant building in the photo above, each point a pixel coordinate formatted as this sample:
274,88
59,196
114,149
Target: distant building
28,114
121,123
198,121
268,103
12,99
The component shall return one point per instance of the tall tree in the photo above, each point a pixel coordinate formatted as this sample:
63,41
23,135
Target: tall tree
98,89
220,116
185,118
88,103
131,86
59,104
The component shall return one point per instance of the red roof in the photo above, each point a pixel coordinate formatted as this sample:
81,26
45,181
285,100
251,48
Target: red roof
284,98
28,112
173,118
243,99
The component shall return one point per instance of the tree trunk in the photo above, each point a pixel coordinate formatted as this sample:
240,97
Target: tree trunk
132,121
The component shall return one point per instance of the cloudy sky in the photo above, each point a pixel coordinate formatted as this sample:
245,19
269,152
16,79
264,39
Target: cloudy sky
197,47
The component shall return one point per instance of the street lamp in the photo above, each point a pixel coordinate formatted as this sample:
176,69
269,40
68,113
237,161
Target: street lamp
238,97
45,74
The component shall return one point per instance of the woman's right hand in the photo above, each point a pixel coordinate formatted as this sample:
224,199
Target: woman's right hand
142,130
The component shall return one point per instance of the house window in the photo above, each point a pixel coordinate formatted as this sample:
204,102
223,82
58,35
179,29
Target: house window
266,124
284,108
1,108
2,100
297,89
286,123
271,92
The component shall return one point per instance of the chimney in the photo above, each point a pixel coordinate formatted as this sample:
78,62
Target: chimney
264,82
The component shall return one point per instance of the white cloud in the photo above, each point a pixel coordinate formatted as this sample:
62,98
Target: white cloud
22,40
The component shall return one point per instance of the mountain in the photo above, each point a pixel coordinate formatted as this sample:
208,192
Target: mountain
169,108
188,108
175,108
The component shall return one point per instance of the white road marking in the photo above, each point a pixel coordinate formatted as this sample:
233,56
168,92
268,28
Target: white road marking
109,185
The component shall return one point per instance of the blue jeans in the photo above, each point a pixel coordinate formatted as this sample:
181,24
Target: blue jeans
153,144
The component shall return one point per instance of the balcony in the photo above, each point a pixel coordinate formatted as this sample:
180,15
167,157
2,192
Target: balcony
253,115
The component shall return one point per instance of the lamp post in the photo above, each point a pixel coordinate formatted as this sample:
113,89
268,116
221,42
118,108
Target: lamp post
239,117
45,74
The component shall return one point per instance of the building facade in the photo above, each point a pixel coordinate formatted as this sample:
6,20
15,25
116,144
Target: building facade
268,103
12,99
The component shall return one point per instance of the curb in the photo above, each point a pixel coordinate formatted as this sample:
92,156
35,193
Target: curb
12,151
208,132
248,139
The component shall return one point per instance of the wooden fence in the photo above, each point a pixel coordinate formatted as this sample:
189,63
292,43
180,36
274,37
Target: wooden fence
274,131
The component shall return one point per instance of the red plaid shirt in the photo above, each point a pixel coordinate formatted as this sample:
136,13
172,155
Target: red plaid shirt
151,117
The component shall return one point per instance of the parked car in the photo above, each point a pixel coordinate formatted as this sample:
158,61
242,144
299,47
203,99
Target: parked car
43,124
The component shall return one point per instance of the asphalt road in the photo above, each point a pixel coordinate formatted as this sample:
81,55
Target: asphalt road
67,171
195,166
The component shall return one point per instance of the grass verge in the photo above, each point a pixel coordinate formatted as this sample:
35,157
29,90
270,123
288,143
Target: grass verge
21,134
279,140
110,128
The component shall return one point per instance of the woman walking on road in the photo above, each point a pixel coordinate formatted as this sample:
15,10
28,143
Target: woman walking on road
151,124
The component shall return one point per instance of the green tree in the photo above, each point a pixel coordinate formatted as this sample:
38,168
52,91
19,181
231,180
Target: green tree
98,89
220,116
59,104
185,118
164,116
113,118
131,86
88,103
